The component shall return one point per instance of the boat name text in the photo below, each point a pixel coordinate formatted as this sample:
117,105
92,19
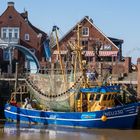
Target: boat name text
114,113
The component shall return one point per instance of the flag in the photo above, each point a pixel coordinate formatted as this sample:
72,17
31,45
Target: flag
47,50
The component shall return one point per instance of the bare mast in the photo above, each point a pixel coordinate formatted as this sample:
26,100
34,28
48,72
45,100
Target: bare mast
79,52
55,28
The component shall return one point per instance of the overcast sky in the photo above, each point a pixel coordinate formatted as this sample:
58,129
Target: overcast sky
116,18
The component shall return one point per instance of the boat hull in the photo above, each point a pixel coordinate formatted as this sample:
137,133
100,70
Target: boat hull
121,117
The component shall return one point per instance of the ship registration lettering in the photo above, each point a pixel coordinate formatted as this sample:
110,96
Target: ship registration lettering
114,113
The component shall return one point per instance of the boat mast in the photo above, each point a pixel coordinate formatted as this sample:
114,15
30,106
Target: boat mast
75,67
79,52
79,47
55,28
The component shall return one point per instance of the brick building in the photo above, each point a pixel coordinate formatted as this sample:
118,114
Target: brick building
15,28
92,39
97,48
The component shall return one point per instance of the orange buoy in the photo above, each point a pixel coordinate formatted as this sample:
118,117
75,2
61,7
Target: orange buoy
103,118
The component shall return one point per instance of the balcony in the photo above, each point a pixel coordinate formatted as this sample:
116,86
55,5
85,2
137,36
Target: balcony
11,41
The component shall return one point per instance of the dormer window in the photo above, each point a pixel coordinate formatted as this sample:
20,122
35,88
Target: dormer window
26,37
85,31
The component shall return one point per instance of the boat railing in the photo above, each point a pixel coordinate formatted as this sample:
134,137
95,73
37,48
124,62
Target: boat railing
54,71
4,76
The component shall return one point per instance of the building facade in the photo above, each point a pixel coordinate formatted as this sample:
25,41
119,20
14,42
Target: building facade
96,47
15,28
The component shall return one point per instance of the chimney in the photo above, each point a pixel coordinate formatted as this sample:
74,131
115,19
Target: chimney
87,17
91,20
11,4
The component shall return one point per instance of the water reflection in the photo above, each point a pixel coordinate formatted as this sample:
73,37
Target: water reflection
15,131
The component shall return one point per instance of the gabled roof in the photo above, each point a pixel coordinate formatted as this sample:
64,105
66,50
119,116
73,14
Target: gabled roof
36,29
90,21
25,17
116,40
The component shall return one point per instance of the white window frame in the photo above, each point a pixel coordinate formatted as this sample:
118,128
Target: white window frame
107,47
16,33
85,31
11,30
3,33
26,37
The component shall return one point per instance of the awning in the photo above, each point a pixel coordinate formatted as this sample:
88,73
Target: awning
91,53
108,53
102,53
62,52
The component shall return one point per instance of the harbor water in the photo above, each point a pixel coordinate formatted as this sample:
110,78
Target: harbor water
29,132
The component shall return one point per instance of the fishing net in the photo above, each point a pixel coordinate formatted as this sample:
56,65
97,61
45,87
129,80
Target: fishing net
53,92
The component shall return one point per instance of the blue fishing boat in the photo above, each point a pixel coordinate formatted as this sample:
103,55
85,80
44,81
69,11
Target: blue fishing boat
117,117
89,106
101,111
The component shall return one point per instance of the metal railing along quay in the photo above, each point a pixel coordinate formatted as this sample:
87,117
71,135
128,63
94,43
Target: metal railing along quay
22,76
11,77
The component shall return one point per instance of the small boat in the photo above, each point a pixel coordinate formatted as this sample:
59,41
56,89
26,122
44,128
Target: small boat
97,110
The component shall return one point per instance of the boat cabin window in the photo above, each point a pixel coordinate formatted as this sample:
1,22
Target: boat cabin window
84,96
109,96
78,96
112,97
91,97
98,97
105,97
